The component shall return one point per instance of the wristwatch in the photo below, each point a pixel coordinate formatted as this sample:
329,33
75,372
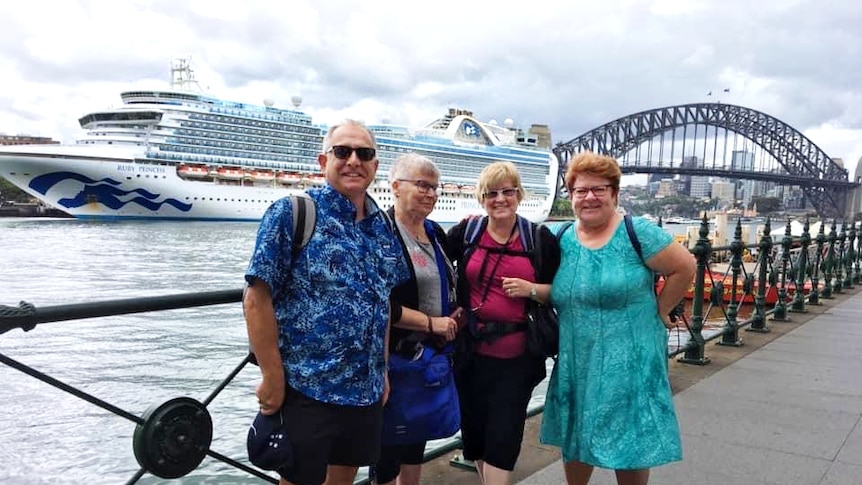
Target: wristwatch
533,290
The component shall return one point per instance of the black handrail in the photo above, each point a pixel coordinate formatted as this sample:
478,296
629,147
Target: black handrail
26,316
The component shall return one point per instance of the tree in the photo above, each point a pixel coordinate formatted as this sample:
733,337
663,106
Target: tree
562,208
9,192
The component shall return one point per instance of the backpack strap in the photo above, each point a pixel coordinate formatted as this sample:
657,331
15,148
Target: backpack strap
636,243
536,253
475,225
633,237
528,237
565,227
304,216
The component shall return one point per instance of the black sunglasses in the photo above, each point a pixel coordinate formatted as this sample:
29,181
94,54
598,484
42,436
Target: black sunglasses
363,154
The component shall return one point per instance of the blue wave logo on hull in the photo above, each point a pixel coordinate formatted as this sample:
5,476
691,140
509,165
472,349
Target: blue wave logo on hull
106,191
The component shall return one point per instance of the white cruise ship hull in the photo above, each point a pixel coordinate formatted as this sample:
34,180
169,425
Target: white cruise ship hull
117,183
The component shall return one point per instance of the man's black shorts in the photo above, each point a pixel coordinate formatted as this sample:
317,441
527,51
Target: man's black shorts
323,434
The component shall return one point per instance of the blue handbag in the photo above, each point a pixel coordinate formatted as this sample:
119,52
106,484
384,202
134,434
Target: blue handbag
423,401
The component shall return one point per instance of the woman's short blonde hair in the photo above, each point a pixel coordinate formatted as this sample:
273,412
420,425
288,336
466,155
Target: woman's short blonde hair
498,173
589,163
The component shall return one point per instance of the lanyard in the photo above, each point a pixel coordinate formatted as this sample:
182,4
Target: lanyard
488,250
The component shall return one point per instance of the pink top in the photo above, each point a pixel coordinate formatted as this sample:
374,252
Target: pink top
498,307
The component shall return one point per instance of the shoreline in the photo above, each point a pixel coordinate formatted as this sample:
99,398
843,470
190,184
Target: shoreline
32,210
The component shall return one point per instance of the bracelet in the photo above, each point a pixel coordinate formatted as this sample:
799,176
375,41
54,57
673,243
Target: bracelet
430,329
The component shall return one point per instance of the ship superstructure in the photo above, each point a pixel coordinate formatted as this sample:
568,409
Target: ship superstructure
181,154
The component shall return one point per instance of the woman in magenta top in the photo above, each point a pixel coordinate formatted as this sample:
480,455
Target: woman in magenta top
496,258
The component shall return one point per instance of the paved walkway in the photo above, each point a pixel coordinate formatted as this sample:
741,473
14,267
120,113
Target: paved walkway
789,413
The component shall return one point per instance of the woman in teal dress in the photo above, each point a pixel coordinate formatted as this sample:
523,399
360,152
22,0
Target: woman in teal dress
609,401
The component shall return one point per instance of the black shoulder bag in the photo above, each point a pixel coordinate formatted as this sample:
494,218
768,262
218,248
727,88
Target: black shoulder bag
543,326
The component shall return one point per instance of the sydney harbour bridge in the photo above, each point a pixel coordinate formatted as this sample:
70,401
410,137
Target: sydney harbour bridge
720,140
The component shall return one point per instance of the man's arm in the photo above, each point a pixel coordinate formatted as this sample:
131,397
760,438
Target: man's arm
263,338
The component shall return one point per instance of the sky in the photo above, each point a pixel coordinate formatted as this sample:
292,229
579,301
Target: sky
571,64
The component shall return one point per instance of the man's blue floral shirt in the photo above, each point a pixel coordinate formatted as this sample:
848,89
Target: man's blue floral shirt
332,303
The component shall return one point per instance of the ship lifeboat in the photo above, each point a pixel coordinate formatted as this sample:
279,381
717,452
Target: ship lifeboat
260,175
468,189
317,179
230,173
193,171
450,188
288,178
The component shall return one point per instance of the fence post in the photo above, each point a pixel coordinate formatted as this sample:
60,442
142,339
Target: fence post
858,258
838,286
798,305
830,261
758,320
694,354
814,294
730,337
851,255
780,313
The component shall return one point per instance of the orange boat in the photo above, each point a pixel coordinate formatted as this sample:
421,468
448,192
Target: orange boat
726,282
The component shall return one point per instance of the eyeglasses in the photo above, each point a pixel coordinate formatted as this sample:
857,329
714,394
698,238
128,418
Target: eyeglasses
343,152
598,190
422,186
492,194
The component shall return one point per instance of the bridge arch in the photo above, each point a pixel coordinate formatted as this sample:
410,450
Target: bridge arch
823,182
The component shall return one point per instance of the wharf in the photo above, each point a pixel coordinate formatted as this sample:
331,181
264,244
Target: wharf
30,210
785,408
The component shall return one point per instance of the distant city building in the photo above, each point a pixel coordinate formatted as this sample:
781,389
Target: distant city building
724,192
685,180
26,140
854,201
743,160
666,188
699,186
794,198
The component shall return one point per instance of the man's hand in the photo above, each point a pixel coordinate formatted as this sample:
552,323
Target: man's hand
270,395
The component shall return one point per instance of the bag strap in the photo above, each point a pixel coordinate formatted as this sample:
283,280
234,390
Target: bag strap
633,237
636,243
304,215
563,228
473,229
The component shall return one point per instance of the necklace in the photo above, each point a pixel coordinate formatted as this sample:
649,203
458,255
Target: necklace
502,240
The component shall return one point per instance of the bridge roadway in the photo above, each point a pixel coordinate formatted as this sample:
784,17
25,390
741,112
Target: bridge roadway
788,413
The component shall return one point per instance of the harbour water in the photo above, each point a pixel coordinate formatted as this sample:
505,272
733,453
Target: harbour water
131,361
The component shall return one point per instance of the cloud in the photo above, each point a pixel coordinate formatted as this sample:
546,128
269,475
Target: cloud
573,65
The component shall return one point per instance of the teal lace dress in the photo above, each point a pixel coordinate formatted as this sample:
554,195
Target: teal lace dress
609,402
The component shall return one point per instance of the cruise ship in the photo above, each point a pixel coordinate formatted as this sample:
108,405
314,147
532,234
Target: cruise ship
180,154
